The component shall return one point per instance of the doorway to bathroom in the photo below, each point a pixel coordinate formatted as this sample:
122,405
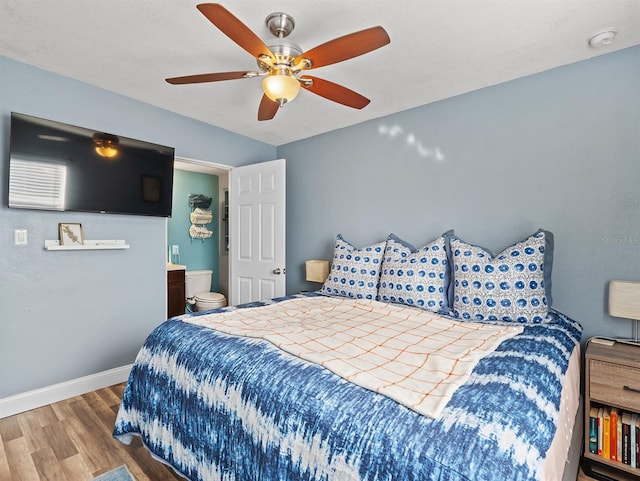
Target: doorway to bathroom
247,248
197,233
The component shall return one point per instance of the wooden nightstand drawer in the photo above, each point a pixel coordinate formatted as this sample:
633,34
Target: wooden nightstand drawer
615,384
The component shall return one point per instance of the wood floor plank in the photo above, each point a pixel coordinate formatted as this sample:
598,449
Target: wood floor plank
59,441
46,415
62,409
101,409
47,466
88,436
10,428
117,389
75,468
32,431
4,463
29,421
110,397
19,460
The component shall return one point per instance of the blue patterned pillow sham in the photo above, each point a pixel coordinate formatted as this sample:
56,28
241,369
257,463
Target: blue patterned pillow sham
415,277
513,286
354,272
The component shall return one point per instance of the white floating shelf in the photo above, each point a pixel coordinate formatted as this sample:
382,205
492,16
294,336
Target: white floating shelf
89,245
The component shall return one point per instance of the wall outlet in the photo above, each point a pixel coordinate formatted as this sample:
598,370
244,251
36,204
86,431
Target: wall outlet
175,249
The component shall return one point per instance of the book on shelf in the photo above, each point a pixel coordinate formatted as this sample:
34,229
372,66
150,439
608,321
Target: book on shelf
633,442
626,438
593,430
600,430
613,417
606,433
638,442
619,440
614,435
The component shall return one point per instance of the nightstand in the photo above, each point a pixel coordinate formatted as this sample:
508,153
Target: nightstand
612,380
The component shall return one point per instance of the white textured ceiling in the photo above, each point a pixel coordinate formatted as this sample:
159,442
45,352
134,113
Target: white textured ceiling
438,49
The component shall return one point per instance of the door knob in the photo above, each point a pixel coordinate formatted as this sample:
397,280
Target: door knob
277,270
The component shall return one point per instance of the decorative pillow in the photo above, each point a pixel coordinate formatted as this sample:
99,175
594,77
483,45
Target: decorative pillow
415,277
354,272
514,286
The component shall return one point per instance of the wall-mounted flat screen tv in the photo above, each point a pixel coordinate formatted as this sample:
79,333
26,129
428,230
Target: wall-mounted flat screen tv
56,166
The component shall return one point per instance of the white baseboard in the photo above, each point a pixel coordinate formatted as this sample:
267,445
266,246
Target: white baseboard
57,392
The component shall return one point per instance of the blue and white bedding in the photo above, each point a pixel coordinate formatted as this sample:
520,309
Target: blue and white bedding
413,356
220,407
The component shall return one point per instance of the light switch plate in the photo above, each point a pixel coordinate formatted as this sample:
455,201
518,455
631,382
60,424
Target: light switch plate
20,237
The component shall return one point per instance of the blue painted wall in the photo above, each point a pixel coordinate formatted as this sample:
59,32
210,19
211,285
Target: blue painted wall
199,253
558,150
70,314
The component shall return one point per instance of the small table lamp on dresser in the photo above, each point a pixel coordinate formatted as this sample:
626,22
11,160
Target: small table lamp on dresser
624,301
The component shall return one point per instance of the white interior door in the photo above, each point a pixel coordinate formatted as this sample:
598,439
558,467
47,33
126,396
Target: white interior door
257,227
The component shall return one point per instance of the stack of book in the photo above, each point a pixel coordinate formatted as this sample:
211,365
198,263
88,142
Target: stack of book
615,435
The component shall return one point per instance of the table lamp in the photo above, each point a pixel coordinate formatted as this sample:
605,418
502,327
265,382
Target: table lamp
624,301
316,270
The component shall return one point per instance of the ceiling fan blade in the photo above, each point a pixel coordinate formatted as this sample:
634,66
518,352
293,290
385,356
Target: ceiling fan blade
346,47
209,77
335,92
268,108
233,28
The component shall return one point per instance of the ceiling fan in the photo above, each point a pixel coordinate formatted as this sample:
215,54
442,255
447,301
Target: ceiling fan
282,64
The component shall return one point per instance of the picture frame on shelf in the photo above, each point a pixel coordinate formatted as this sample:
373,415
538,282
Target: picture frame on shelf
70,234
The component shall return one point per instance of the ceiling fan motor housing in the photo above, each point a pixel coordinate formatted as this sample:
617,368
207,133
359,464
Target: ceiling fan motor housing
285,53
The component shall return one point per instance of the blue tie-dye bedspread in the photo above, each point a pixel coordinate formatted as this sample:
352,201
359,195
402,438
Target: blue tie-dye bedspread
219,407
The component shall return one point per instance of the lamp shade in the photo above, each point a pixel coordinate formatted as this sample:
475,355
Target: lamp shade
281,88
624,299
316,270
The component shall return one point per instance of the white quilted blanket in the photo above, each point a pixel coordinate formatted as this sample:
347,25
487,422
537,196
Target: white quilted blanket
415,357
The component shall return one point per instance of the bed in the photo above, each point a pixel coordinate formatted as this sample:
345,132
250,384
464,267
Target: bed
219,396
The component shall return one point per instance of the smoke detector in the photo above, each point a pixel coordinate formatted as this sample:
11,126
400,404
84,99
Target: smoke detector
602,39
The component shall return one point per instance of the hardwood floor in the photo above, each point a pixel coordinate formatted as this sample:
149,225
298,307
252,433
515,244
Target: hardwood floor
71,441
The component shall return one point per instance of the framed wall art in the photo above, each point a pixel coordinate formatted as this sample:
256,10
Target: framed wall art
70,234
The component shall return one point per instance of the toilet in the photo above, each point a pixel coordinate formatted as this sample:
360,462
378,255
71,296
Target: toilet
197,286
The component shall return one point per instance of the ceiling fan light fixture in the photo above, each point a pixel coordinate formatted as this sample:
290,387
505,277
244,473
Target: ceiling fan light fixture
280,86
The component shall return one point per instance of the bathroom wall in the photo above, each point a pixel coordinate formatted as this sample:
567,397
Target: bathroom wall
194,253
